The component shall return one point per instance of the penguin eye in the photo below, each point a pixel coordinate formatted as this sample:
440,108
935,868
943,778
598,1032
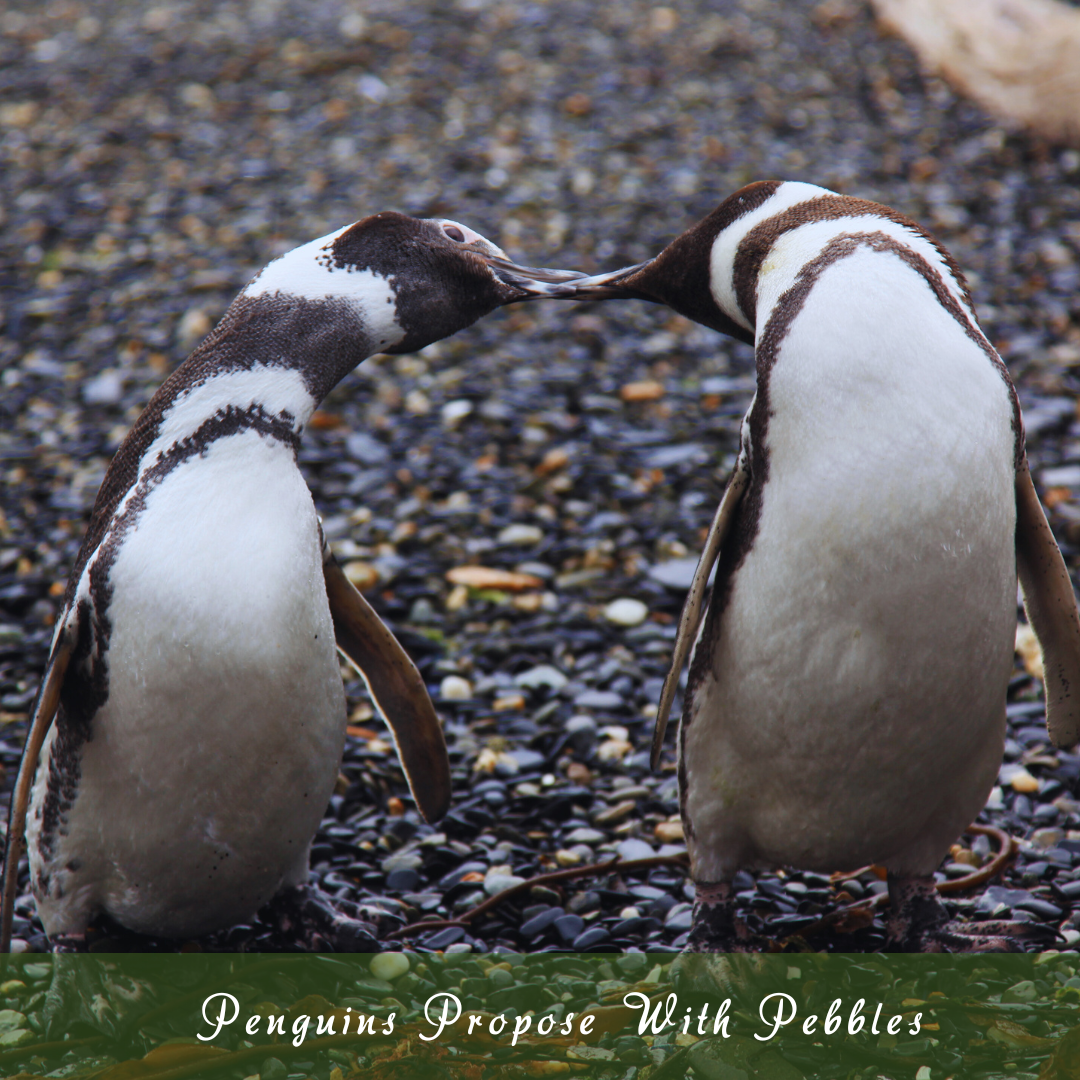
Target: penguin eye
454,233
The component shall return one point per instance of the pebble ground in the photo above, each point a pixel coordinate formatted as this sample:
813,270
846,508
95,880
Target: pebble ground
153,157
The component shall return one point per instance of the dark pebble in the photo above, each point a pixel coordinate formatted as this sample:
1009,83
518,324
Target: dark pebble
639,925
402,880
594,936
569,927
450,936
539,923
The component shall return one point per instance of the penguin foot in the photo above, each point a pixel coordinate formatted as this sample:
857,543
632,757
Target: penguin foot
918,922
69,943
716,928
320,923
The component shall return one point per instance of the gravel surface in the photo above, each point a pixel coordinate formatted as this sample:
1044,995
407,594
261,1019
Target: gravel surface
152,158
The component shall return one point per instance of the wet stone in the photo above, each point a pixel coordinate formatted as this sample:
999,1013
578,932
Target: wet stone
540,922
635,849
569,927
594,936
585,836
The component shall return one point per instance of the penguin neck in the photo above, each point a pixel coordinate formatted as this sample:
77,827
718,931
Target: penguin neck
280,350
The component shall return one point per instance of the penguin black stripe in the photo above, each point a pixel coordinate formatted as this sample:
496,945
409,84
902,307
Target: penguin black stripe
758,242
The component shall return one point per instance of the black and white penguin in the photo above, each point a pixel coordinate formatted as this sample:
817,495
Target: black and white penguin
846,695
198,701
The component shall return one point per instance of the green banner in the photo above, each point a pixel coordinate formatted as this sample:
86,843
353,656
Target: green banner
618,1016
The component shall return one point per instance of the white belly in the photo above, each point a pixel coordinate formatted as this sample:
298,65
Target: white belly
211,763
852,709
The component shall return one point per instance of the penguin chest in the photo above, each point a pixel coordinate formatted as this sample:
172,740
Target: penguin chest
211,762
850,704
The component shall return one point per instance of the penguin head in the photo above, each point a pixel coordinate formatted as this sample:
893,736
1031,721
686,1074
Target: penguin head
442,274
686,275
411,281
732,269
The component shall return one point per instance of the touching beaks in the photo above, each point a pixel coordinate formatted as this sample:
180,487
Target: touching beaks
614,285
534,282
538,283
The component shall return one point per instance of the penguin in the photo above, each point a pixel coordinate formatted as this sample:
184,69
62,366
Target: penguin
845,702
193,676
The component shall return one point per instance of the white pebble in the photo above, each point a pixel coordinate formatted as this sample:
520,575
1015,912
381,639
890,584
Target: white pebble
521,535
496,883
626,612
455,688
389,965
453,412
541,675
106,389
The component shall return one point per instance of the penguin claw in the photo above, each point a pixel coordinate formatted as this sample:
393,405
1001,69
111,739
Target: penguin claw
919,923
322,924
995,937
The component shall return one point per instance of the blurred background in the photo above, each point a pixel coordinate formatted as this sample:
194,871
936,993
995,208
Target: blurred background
154,156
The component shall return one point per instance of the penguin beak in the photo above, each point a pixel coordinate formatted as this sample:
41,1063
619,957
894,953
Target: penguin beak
534,283
614,285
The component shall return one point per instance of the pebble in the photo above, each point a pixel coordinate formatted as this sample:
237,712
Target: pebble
539,923
669,832
626,612
453,412
444,938
614,813
543,675
521,535
677,574
585,836
389,965
569,927
645,390
595,935
485,577
581,730
598,699
614,750
680,918
498,882
635,849
362,574
402,880
455,688
1019,779
1047,838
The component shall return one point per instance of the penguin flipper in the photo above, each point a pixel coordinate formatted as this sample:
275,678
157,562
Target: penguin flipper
1051,609
397,689
692,608
45,707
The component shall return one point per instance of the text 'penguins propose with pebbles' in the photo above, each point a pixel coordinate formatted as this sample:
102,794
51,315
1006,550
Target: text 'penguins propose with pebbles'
198,701
846,694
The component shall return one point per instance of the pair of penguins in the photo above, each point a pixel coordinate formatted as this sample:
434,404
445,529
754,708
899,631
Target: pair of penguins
848,670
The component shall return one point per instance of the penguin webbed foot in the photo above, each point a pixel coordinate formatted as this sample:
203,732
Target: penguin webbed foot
321,923
716,926
919,922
